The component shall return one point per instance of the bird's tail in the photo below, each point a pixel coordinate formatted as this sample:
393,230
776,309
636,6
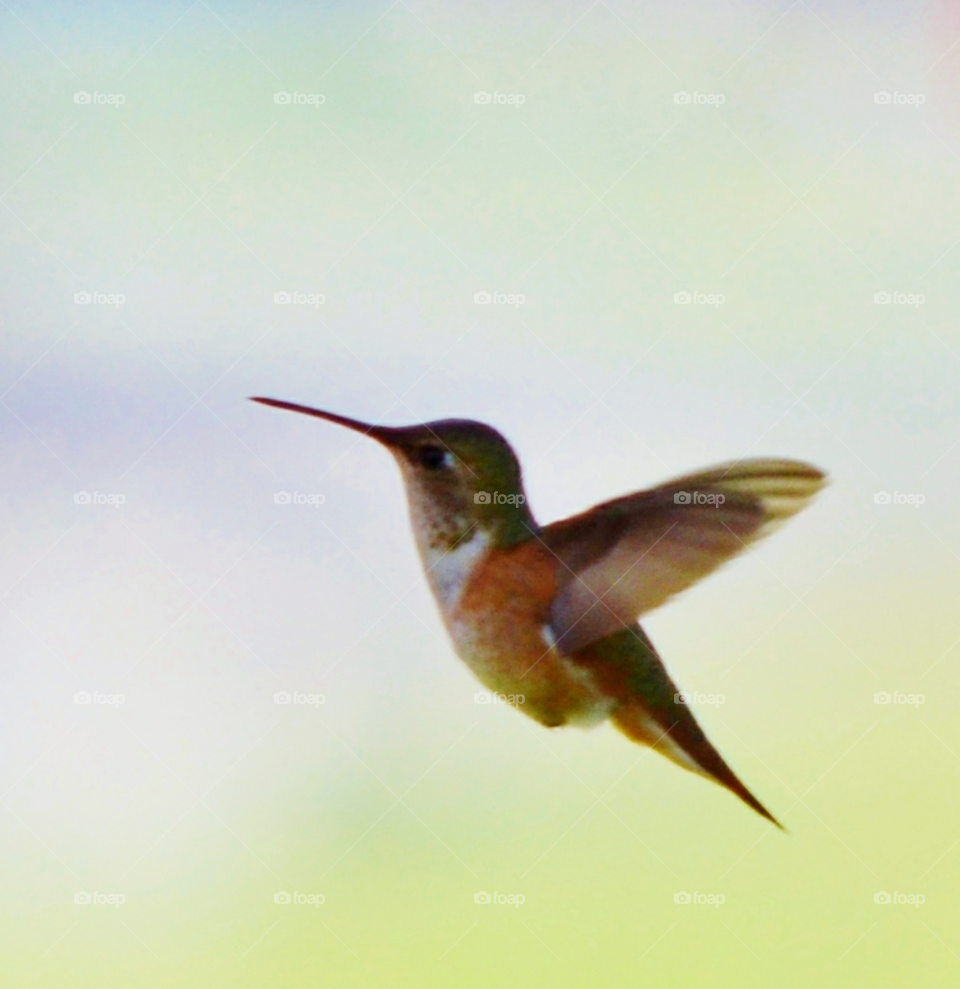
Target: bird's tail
652,711
684,742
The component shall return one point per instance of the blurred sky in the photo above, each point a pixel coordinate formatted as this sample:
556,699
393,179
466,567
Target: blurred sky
145,554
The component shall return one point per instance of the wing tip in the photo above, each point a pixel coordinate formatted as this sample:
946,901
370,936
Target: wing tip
782,487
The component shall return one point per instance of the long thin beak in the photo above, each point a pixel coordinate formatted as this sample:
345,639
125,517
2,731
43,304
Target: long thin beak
387,435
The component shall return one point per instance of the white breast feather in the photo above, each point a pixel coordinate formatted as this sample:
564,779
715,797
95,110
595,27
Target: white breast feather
449,570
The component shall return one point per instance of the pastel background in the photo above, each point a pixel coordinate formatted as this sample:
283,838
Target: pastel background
798,199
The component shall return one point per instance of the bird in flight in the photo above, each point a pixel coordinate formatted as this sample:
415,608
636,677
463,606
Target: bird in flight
550,613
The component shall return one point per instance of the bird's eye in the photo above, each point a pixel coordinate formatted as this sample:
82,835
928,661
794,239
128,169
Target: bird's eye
433,457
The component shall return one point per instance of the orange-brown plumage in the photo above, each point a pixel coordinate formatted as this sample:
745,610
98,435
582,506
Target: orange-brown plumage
501,621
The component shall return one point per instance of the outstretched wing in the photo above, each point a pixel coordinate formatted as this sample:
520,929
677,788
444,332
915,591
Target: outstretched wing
627,556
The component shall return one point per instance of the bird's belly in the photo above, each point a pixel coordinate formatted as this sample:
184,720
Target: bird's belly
499,629
540,681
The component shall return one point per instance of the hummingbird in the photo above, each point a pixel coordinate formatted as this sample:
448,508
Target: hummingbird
550,613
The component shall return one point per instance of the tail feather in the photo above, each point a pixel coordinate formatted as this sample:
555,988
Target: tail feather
684,743
626,666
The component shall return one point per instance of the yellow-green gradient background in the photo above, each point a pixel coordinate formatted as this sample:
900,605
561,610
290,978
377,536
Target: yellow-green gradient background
399,198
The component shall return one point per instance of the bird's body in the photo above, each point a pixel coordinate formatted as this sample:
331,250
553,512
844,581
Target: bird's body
496,605
549,613
497,611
